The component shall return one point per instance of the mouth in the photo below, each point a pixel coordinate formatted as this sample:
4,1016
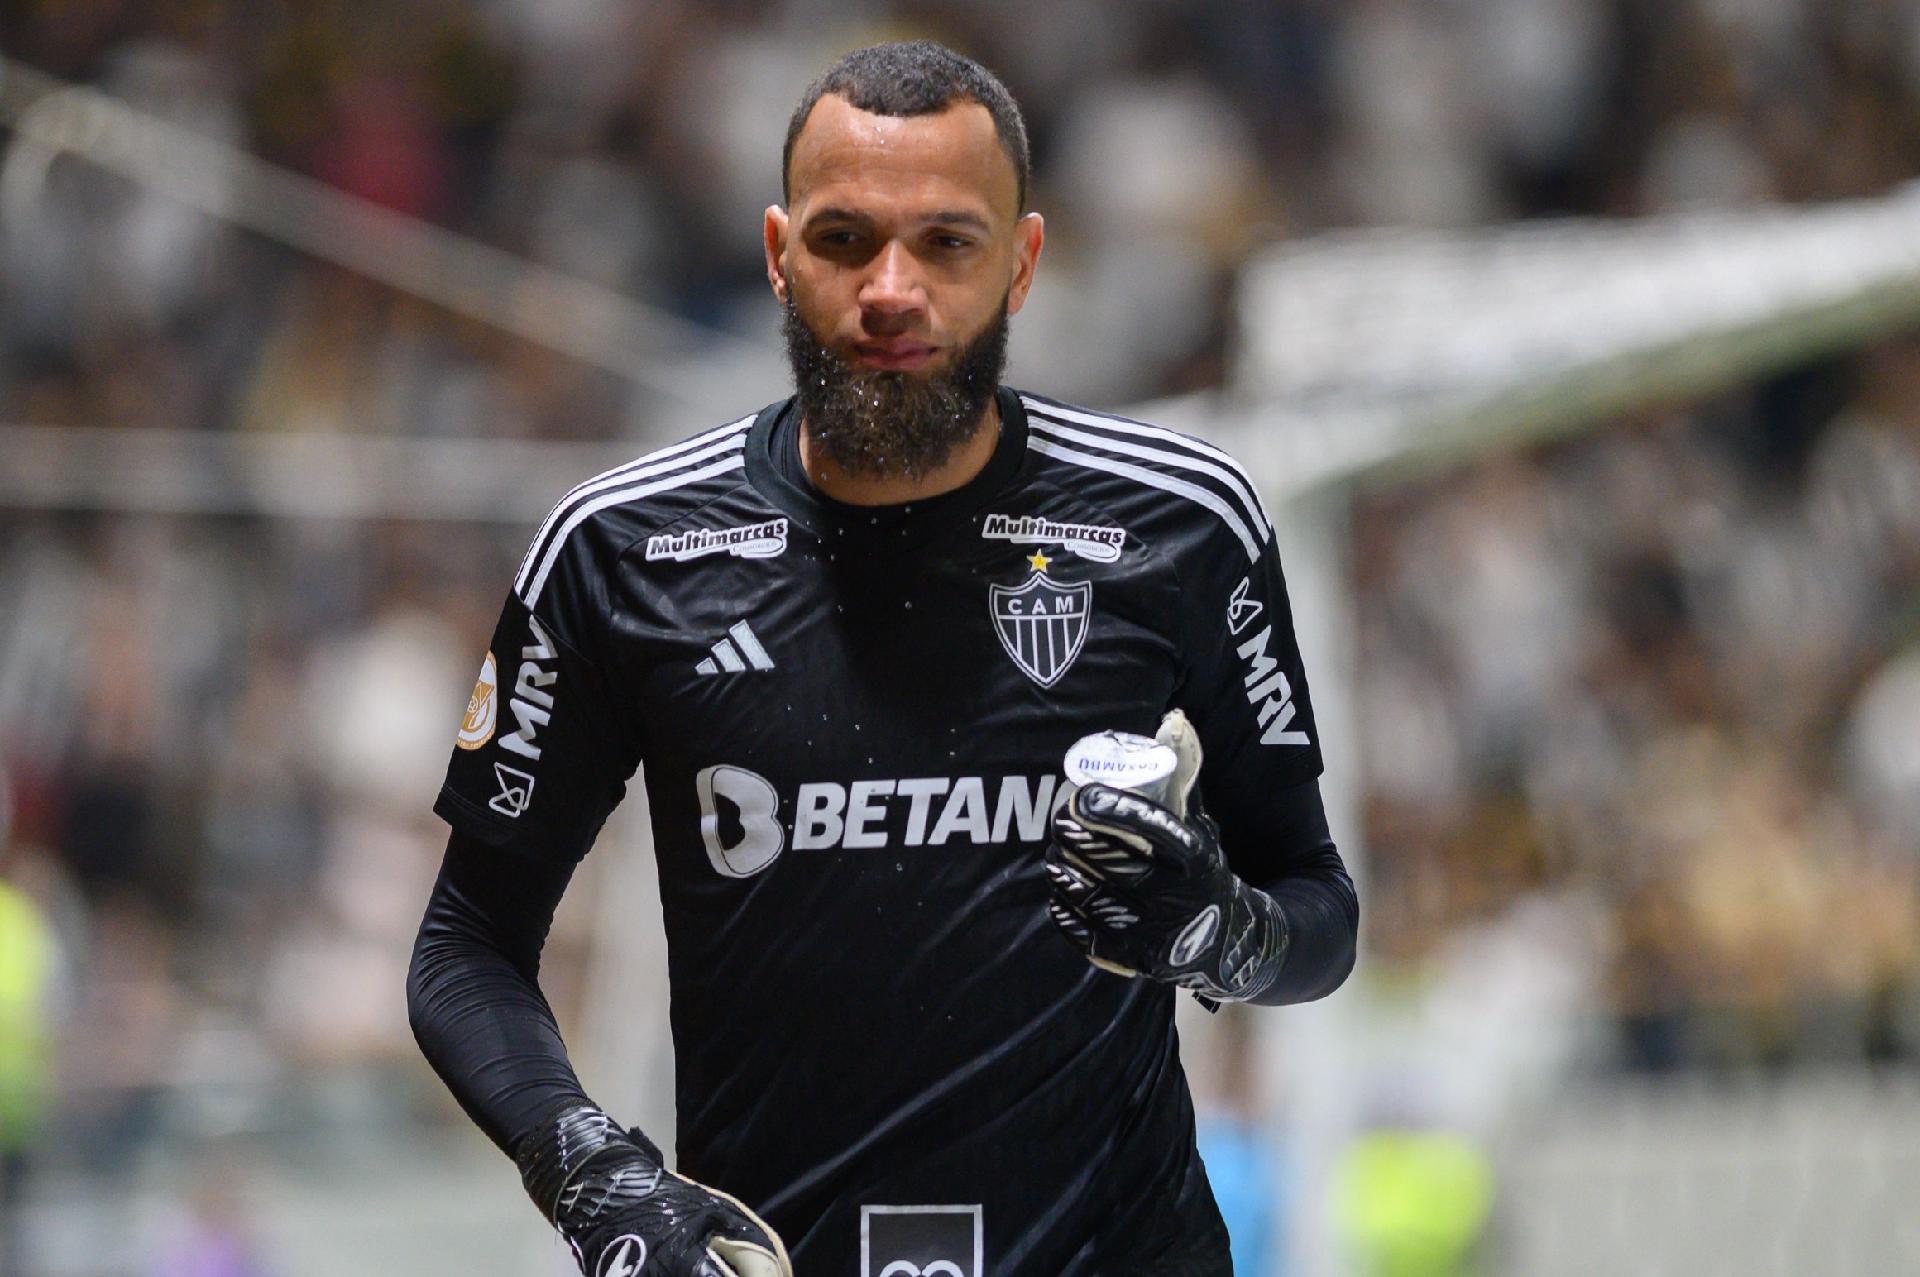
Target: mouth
894,355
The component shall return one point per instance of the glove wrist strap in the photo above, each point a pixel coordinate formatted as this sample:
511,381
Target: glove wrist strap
560,1168
1250,965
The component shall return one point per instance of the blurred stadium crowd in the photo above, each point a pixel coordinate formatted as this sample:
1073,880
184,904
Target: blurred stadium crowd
1658,685
1670,671
630,144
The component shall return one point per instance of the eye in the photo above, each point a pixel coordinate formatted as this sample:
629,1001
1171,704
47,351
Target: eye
951,242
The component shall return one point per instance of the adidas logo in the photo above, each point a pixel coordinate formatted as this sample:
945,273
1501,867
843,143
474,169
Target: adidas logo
728,657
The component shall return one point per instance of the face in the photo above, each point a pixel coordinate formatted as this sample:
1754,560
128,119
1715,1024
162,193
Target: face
898,263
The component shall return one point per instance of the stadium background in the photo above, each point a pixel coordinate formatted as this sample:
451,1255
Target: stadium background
1627,697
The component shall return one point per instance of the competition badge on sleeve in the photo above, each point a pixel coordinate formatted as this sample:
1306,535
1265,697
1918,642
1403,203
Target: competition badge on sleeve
476,729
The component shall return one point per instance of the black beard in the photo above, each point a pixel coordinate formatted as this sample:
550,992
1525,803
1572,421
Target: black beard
884,424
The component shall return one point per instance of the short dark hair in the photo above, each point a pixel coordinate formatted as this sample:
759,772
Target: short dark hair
914,77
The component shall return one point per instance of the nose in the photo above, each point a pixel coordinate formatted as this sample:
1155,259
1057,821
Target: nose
893,289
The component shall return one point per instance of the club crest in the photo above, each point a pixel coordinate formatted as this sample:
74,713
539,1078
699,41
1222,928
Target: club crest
1041,622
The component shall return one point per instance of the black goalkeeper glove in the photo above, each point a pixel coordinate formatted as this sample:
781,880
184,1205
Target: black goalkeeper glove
1143,888
625,1215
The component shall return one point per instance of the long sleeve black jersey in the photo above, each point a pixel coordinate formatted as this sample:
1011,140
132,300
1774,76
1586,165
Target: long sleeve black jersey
852,724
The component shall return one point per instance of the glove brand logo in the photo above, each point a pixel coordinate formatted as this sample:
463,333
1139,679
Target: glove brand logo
532,703
1269,690
1195,937
476,729
921,1241
624,1258
516,790
754,541
1240,609
1042,622
1088,540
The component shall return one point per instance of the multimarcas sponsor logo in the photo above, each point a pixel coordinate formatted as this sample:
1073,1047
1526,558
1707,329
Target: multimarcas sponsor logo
753,541
1093,541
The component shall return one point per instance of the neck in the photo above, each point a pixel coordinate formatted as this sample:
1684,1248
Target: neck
968,460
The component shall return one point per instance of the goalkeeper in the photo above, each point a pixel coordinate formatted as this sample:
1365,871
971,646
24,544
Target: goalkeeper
922,987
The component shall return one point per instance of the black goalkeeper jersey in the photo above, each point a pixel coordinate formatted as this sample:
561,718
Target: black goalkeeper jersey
852,723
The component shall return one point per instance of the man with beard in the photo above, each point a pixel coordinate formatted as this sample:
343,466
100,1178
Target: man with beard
922,988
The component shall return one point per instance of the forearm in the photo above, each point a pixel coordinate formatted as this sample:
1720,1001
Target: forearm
1309,887
473,996
1322,916
477,1011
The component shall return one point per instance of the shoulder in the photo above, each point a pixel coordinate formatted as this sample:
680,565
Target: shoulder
599,518
1189,490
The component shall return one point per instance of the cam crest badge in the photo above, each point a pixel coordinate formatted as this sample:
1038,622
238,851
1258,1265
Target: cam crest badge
1042,623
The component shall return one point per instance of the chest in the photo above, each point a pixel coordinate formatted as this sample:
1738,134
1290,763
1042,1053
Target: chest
976,654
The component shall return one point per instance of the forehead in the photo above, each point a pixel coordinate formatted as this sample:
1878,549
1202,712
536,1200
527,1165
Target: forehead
846,157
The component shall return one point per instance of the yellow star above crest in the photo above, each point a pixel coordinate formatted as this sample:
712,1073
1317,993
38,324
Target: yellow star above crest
1039,560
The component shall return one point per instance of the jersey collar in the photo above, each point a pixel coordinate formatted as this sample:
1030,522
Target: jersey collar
823,515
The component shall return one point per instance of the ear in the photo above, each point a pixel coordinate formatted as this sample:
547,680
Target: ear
1030,235
774,232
